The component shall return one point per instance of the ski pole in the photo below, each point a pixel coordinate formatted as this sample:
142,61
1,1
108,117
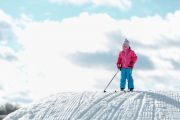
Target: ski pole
111,80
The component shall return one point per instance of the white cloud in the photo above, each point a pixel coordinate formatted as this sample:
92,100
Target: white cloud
13,79
48,43
121,4
69,35
150,30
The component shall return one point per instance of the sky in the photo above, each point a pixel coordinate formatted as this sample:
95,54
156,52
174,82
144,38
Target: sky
52,46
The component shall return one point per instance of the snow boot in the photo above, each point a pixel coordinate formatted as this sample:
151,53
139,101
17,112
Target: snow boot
131,89
122,89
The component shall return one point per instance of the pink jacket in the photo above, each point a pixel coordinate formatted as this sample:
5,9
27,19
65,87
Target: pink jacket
127,59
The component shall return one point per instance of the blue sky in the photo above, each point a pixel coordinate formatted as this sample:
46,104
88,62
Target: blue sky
46,9
50,46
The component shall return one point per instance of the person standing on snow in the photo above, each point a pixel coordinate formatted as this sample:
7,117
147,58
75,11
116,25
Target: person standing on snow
126,60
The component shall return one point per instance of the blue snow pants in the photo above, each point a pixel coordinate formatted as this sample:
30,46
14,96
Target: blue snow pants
126,73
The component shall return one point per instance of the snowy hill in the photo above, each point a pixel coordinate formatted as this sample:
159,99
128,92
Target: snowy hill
139,105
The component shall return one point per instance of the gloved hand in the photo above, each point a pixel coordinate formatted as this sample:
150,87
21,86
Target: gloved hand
130,67
119,66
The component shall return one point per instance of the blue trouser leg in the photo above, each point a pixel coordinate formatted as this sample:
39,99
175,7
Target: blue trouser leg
126,73
123,78
130,79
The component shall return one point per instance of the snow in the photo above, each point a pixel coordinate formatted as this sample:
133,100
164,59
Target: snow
137,105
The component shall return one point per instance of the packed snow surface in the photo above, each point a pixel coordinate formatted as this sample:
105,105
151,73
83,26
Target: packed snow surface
137,105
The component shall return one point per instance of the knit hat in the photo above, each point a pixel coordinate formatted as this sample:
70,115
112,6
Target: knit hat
126,41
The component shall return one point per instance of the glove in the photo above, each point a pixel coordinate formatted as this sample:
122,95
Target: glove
119,66
130,67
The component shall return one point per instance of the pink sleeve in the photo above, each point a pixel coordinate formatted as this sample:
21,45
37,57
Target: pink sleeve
133,58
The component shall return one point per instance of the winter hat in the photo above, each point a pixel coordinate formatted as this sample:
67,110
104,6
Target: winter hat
126,41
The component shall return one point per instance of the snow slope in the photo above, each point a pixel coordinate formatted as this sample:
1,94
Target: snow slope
138,105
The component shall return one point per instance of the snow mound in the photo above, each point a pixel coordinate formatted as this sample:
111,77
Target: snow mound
138,105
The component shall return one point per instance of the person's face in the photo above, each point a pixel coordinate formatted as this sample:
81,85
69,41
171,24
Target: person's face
125,46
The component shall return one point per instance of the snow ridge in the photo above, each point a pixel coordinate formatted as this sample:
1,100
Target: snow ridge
137,105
